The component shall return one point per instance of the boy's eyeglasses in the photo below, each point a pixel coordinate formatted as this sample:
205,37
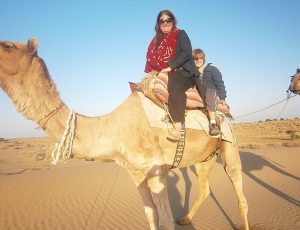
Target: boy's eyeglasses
168,20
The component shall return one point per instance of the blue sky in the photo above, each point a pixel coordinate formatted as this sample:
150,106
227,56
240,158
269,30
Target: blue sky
93,48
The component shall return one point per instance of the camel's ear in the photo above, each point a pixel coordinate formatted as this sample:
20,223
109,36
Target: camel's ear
32,45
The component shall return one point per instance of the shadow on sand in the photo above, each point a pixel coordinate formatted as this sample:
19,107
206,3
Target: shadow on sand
250,162
178,209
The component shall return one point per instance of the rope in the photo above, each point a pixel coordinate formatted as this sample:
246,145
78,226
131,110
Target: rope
63,149
287,100
49,115
100,190
168,115
267,107
107,200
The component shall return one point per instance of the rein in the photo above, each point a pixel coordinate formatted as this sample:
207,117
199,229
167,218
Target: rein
49,116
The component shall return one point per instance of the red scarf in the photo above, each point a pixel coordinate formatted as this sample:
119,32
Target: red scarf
159,55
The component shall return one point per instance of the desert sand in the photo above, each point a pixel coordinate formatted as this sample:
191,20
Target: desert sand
83,194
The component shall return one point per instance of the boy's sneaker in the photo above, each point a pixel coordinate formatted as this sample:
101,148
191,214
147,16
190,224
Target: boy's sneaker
214,130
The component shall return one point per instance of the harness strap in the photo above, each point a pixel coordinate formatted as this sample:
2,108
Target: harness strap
179,149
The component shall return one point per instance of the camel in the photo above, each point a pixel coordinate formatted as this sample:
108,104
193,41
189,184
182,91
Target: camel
124,136
295,83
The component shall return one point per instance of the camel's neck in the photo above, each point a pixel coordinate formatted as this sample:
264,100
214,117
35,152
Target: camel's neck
35,96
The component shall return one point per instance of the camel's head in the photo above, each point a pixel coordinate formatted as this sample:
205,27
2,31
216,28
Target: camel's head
16,57
295,83
24,76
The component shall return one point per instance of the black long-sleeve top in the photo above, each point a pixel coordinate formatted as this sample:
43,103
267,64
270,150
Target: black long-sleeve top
183,57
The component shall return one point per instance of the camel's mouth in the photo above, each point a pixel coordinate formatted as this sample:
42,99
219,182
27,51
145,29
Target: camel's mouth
4,75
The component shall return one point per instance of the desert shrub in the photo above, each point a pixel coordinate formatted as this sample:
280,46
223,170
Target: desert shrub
268,120
254,146
282,119
294,134
290,144
40,156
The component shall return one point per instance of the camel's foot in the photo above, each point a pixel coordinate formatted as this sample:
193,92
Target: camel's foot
184,221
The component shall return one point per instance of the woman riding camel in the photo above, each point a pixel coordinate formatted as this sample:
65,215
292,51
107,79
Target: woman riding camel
170,52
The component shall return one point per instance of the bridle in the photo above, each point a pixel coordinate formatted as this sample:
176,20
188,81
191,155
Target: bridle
63,148
49,115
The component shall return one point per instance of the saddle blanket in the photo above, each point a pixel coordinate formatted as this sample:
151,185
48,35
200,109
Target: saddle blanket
195,119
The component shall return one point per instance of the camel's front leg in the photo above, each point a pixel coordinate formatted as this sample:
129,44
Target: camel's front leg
158,185
203,171
150,210
232,165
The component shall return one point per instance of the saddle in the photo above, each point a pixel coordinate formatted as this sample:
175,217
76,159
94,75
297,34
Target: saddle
155,86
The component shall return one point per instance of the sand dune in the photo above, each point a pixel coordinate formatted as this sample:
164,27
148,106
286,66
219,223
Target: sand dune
93,195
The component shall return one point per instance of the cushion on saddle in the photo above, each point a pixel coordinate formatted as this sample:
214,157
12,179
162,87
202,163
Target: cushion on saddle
155,86
161,91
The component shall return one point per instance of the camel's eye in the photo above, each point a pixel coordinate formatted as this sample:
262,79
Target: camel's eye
6,46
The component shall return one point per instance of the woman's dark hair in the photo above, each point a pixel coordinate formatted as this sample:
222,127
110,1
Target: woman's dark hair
159,33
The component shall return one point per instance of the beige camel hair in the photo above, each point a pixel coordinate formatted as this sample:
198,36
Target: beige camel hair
124,135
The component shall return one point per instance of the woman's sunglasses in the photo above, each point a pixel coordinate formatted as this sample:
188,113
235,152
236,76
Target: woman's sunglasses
168,20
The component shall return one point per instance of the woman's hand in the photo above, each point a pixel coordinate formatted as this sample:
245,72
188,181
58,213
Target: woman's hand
166,70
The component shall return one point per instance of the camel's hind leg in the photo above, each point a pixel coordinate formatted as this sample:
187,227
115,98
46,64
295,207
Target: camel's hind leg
232,165
203,171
